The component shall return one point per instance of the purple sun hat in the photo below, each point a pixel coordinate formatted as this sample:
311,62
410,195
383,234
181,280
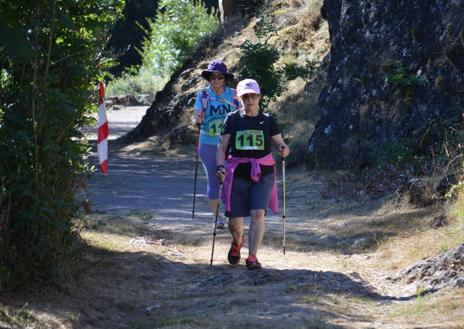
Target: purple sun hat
217,66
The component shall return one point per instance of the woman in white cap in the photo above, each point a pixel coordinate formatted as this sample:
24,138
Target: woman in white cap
245,164
211,107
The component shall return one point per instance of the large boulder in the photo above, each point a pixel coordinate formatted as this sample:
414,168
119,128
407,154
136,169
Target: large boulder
396,73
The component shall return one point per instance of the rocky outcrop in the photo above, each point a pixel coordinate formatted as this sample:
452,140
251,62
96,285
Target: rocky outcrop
444,270
396,73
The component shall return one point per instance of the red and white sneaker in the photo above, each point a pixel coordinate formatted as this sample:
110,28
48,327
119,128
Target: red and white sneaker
252,263
234,253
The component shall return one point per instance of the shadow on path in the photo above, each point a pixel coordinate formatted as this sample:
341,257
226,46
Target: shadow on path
141,290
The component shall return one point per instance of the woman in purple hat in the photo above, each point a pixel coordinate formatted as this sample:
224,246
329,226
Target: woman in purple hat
246,165
211,108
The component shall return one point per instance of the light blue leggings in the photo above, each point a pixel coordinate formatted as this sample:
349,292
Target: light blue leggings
208,159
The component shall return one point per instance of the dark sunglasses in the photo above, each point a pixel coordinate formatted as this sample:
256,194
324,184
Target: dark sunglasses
251,96
216,77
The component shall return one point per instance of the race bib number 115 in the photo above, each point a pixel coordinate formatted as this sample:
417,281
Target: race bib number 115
249,140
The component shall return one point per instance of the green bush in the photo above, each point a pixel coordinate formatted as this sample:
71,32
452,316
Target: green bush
173,37
398,153
51,58
293,70
258,62
401,78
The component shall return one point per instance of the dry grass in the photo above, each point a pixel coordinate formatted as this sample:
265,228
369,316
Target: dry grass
301,34
445,308
397,253
310,17
118,280
458,208
19,317
112,282
440,310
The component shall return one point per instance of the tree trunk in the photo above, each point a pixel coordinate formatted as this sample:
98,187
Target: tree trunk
227,9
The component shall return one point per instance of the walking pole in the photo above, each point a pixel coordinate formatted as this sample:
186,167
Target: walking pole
196,174
215,225
204,104
283,203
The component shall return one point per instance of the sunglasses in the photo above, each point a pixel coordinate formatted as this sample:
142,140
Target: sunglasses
216,77
250,96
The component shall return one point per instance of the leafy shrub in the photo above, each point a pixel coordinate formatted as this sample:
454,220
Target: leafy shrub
258,59
398,153
257,62
133,82
293,70
52,59
400,77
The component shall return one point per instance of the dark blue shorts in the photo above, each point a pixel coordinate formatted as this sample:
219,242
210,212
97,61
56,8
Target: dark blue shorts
247,195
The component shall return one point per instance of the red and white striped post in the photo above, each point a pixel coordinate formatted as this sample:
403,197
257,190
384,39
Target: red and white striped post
102,131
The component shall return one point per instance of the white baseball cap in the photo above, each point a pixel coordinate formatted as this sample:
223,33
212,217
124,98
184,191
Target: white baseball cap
248,86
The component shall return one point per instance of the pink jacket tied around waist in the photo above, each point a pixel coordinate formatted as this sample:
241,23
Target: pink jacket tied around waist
232,162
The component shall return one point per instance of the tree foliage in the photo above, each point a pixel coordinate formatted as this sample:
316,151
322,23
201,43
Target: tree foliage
179,25
50,59
171,39
258,62
127,34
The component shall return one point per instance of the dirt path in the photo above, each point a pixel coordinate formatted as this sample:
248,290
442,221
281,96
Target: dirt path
322,281
147,261
154,195
183,288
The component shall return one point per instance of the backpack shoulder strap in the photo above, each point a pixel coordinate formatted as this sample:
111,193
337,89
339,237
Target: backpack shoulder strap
205,99
235,99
